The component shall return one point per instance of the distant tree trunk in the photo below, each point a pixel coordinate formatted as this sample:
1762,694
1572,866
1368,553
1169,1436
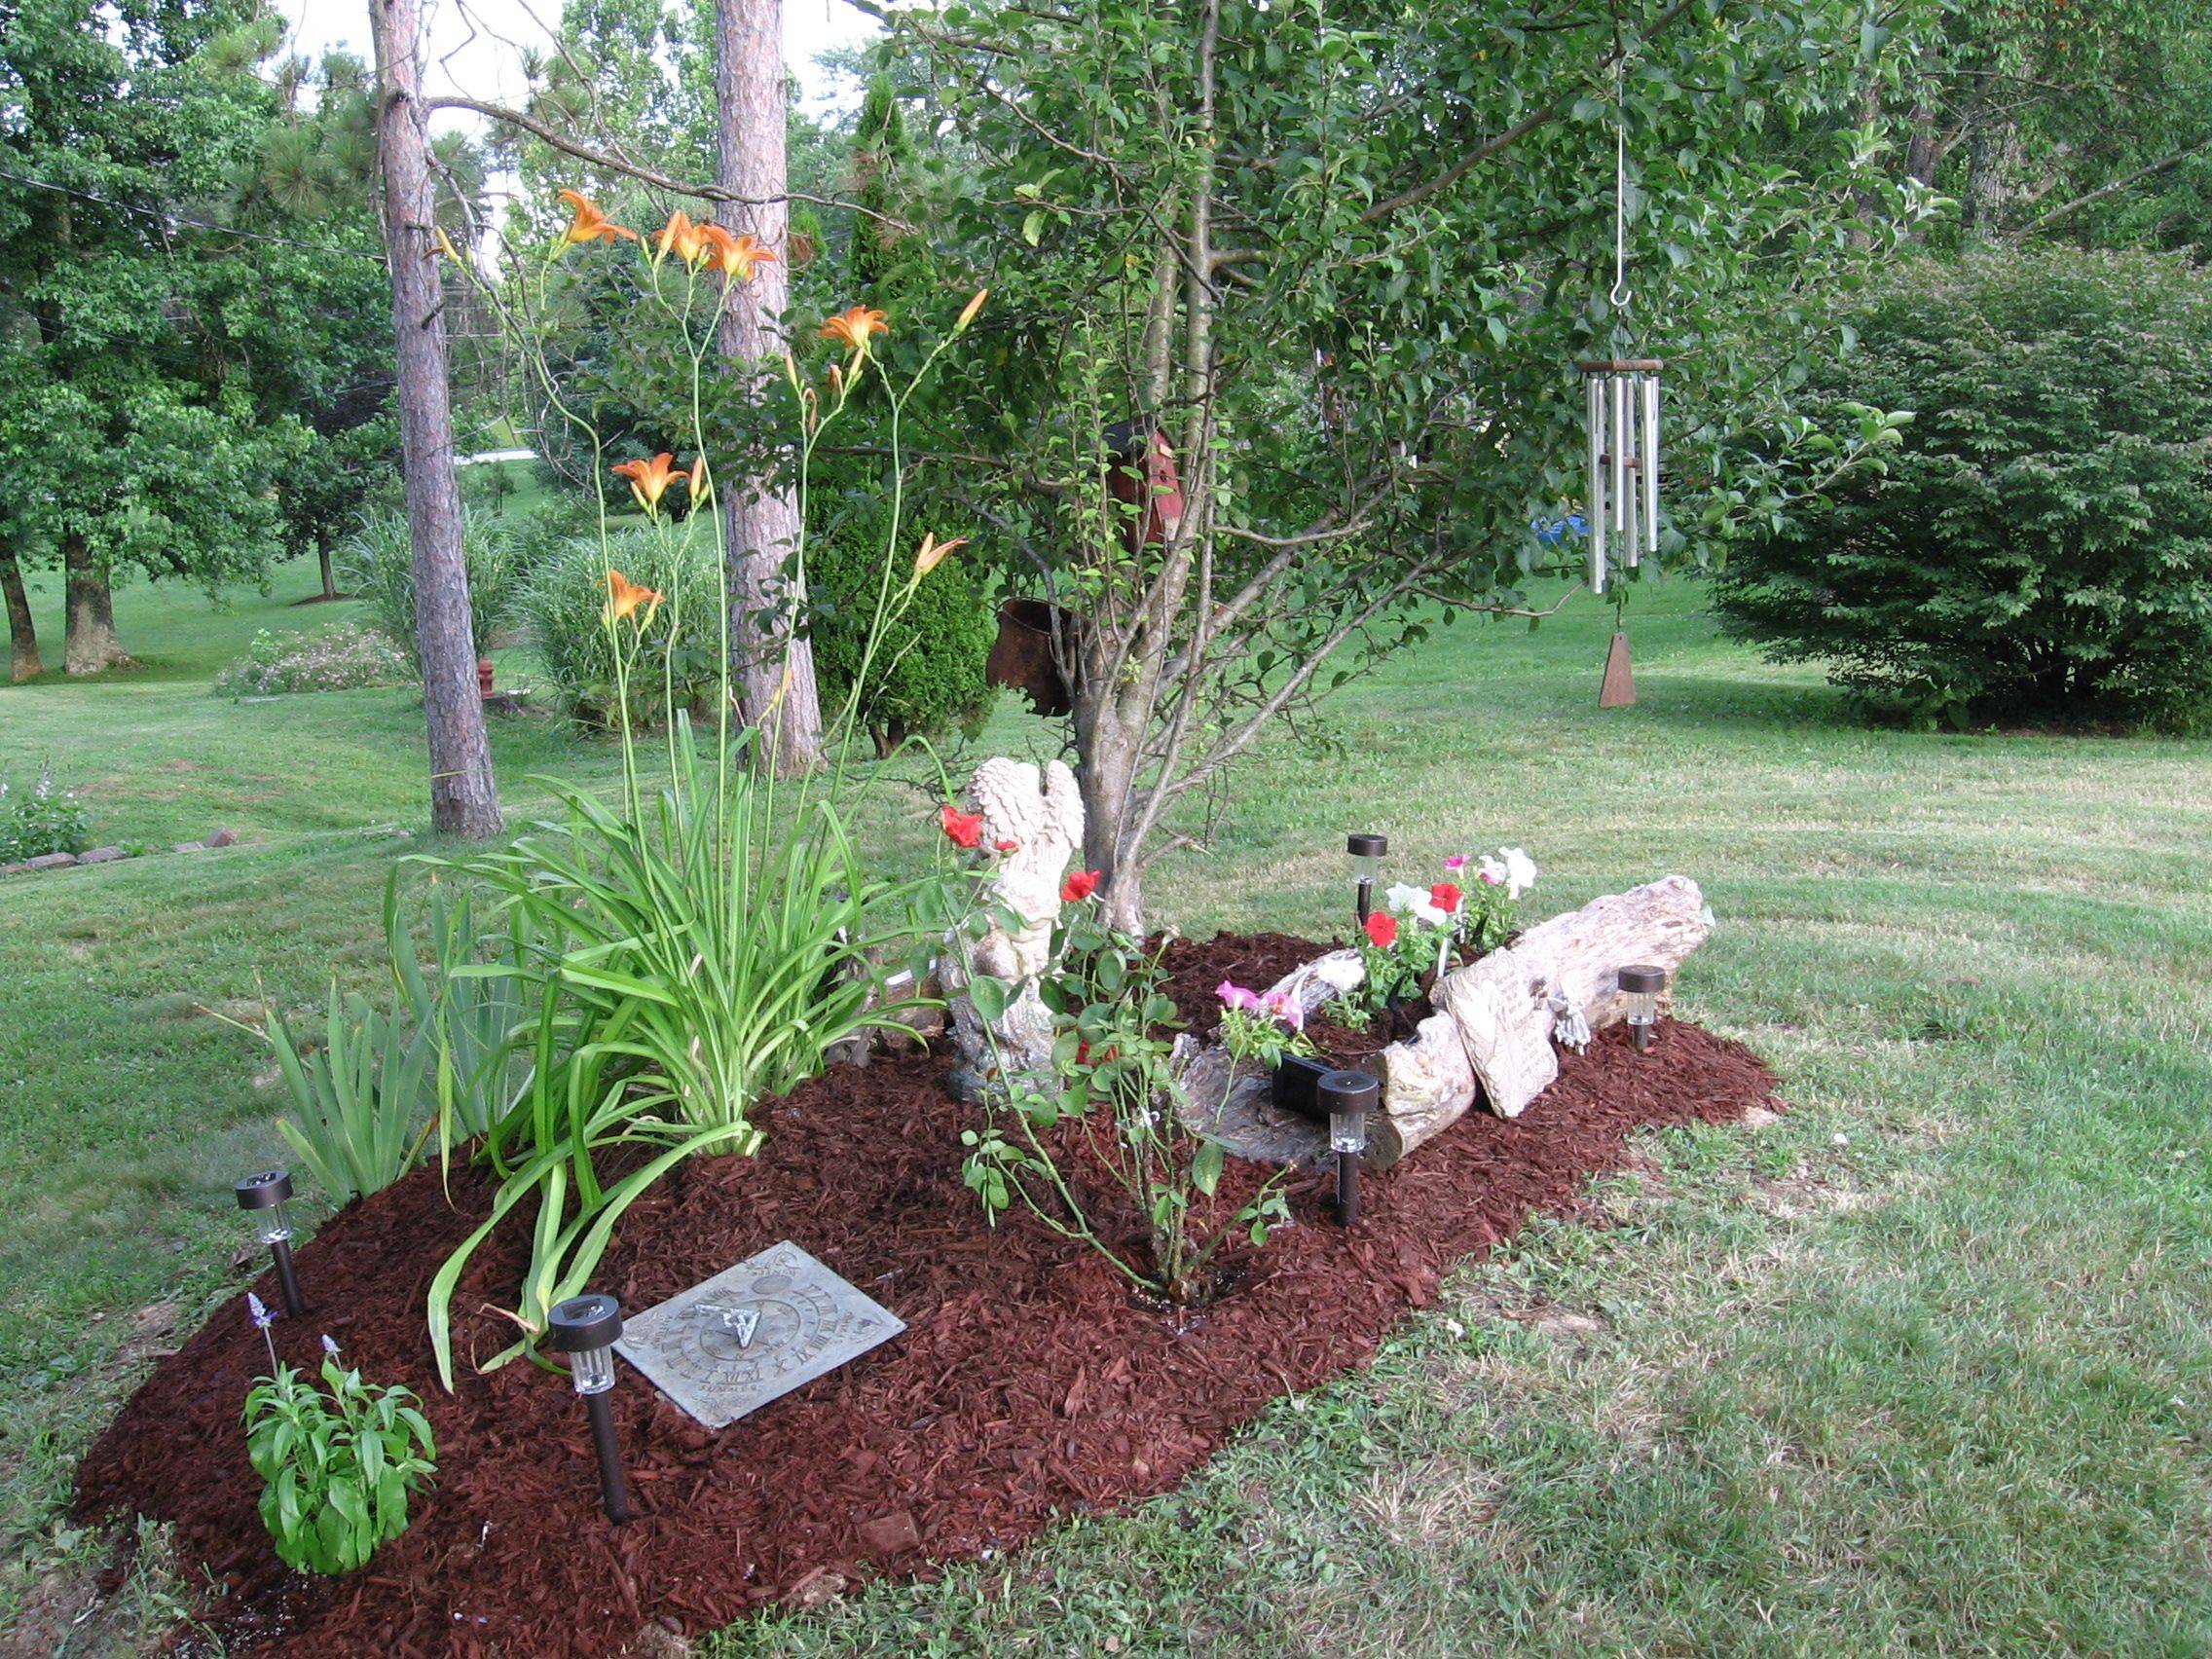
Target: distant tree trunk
1922,153
773,663
465,800
322,558
88,645
1993,155
22,627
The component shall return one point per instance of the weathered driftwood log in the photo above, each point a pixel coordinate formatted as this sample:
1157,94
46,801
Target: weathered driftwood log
1502,1005
1427,1084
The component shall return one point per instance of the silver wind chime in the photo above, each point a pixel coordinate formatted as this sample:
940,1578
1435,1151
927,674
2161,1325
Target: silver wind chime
1623,392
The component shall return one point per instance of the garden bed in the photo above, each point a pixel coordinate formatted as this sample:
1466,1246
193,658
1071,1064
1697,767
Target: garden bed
1030,1382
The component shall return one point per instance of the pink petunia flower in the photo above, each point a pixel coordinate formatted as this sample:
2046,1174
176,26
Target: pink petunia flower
1235,996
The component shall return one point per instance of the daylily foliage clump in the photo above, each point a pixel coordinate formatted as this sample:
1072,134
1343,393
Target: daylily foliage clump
704,941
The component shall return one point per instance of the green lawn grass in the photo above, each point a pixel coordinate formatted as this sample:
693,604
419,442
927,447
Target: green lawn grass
1922,1366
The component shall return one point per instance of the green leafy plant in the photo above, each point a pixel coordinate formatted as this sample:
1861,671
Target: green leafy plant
674,656
339,1463
1260,1026
1116,1110
358,1117
41,820
2039,545
927,676
473,1006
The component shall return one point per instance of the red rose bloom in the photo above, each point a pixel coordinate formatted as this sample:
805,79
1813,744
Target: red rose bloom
1080,885
1445,896
1383,930
965,828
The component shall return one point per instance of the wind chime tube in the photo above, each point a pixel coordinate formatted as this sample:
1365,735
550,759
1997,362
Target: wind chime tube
1631,462
1617,384
1648,456
1595,505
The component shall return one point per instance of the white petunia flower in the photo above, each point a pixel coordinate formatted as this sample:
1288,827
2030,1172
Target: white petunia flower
1415,902
1520,871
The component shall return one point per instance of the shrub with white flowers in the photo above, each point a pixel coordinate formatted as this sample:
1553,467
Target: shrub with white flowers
342,657
41,820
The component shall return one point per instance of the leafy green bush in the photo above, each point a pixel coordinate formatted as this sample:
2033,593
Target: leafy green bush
339,1467
928,673
377,564
339,658
564,607
2041,546
41,820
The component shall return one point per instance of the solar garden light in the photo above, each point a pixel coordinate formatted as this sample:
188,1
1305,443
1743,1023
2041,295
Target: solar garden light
1366,862
264,1197
587,1328
1640,986
1348,1096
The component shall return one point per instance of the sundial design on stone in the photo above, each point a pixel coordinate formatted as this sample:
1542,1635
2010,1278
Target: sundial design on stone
731,1343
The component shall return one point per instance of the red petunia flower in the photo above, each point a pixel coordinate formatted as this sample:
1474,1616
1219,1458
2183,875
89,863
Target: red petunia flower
1383,930
1445,896
965,828
1010,846
1080,885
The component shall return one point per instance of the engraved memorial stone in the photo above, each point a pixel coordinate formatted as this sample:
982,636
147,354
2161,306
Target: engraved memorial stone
754,1332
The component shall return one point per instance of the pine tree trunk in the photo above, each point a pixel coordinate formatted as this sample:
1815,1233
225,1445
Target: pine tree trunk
773,664
89,645
463,796
22,627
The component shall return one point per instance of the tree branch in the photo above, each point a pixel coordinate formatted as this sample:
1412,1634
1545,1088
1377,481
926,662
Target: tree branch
613,162
1512,135
2165,163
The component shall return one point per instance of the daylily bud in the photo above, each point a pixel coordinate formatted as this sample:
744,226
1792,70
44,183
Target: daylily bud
933,553
968,314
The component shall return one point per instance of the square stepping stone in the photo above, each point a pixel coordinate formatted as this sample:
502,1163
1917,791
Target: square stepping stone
753,1332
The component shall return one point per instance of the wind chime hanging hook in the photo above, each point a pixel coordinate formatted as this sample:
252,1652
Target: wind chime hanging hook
1623,397
1622,293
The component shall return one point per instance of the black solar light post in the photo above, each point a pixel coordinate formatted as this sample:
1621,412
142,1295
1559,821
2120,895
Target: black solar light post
1348,1096
585,1328
1640,986
264,1197
1366,862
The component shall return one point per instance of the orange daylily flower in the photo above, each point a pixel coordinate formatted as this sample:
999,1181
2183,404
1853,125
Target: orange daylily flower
590,224
855,326
934,553
682,238
736,256
650,479
624,596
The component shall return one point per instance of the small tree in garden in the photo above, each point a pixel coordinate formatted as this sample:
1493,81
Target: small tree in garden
2042,547
1334,268
1110,1119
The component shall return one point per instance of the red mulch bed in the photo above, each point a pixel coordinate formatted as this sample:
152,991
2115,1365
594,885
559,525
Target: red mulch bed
1030,1382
